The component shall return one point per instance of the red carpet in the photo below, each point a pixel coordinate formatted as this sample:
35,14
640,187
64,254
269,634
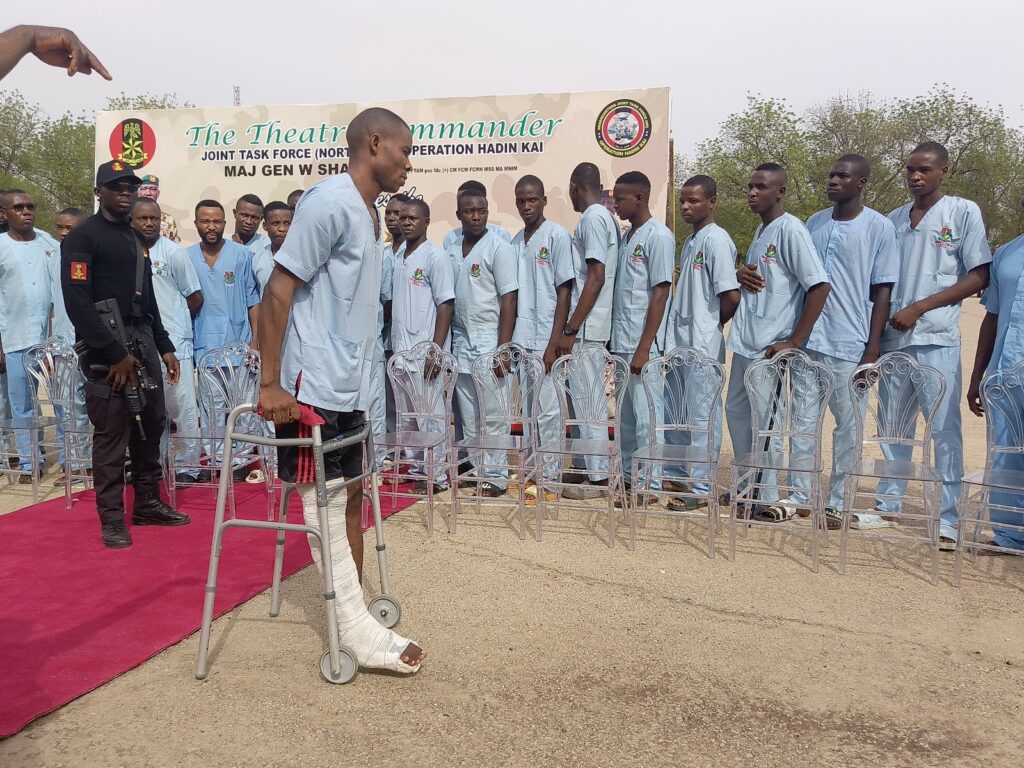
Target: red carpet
74,614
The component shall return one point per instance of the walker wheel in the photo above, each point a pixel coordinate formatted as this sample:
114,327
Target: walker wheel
386,610
349,666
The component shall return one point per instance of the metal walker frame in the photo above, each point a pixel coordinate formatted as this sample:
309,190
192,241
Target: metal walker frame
339,663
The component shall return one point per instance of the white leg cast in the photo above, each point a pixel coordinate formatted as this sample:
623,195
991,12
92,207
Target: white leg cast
375,646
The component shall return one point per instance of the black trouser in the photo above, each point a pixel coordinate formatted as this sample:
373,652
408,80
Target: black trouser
115,431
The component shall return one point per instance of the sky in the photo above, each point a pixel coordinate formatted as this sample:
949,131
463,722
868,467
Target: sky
711,54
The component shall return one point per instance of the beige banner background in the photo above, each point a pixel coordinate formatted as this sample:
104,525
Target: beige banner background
192,151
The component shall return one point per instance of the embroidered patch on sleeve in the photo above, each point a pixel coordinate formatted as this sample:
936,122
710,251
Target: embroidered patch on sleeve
79,271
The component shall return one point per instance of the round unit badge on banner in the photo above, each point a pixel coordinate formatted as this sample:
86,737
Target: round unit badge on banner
623,128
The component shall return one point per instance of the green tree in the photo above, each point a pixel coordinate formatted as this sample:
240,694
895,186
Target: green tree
53,158
986,154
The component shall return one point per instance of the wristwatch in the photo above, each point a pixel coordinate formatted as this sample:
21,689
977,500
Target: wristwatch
570,330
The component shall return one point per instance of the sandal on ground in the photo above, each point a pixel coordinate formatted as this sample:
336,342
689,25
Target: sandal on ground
674,486
686,504
867,521
776,512
833,519
420,488
256,476
491,491
530,492
1003,550
946,544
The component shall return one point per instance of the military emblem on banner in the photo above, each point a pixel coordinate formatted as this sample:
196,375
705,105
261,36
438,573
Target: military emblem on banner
623,128
229,278
133,143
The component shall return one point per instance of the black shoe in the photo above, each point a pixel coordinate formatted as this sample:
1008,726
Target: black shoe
465,467
153,511
204,476
116,536
238,474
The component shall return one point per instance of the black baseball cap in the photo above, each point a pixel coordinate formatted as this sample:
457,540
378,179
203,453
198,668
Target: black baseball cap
115,170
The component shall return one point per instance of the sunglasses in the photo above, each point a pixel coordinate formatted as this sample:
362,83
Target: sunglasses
19,207
121,186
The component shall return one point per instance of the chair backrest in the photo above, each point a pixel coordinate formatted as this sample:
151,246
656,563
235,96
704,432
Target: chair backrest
418,395
895,400
53,366
228,377
594,382
1002,396
684,392
788,397
512,397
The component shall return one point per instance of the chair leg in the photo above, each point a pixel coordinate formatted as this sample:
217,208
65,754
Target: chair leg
521,475
935,512
275,587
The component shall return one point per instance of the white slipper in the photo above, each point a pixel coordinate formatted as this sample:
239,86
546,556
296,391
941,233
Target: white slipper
867,521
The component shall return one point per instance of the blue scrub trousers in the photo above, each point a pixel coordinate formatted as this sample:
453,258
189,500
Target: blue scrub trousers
947,437
844,436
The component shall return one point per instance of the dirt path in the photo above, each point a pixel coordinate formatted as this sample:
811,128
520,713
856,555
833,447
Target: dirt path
566,652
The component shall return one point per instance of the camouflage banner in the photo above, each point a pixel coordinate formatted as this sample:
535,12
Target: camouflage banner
225,152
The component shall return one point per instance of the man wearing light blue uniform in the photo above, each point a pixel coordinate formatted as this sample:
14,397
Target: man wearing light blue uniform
176,288
643,281
546,275
786,288
230,298
705,299
378,372
858,248
945,259
456,234
486,291
595,257
392,252
277,218
1000,348
25,305
63,328
422,301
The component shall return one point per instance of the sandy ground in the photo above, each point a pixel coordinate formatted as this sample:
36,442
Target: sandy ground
566,652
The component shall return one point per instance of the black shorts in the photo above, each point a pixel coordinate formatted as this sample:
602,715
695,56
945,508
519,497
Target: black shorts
296,465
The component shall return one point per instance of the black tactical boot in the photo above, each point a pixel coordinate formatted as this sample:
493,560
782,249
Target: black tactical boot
151,510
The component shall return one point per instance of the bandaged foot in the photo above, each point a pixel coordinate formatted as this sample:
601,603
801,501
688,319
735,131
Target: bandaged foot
375,646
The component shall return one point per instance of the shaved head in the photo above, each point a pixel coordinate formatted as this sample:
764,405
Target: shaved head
858,163
774,168
587,176
375,121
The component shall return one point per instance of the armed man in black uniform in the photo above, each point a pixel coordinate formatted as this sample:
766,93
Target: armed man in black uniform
120,344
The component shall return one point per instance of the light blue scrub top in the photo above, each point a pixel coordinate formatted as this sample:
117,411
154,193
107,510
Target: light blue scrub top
707,269
25,296
262,264
948,242
544,264
488,272
596,239
174,279
422,281
646,258
790,265
1005,298
456,234
857,254
229,289
332,247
